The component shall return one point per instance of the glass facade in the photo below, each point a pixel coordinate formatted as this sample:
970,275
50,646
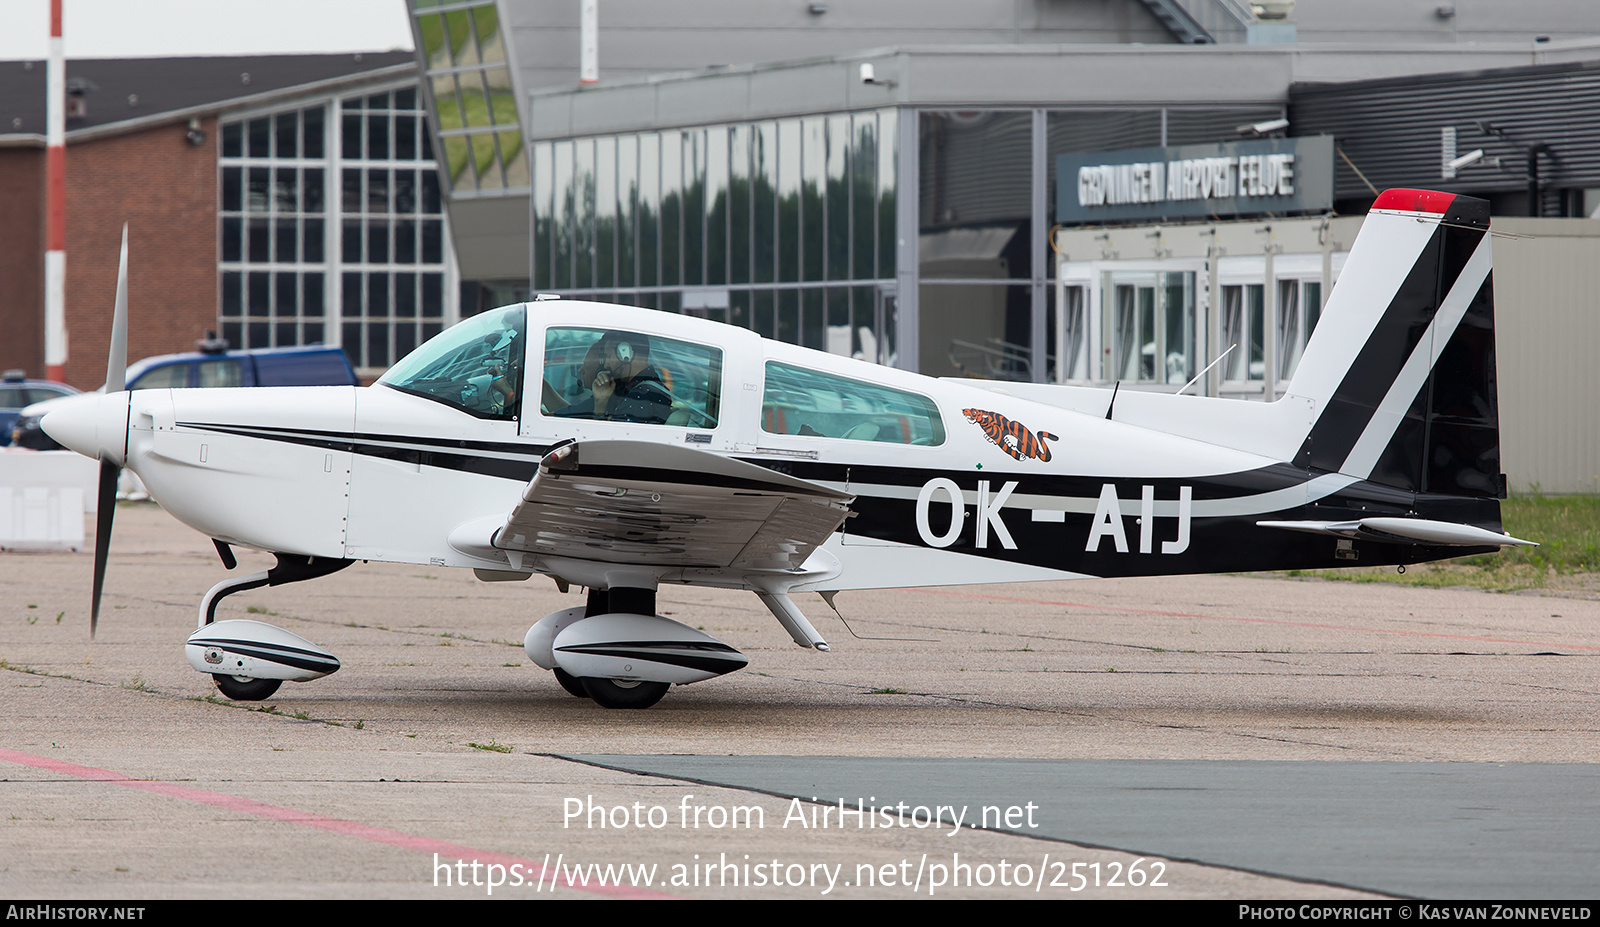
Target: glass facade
782,226
792,227
974,246
332,228
474,100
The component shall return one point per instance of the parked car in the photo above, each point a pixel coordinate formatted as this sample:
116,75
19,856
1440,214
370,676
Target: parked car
312,365
17,392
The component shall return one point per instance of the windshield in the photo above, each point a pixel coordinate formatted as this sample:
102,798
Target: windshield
474,366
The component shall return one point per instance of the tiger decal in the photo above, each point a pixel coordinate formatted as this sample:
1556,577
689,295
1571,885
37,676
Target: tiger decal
1012,437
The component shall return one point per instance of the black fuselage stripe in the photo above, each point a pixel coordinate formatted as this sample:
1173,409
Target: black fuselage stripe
432,452
345,439
1274,476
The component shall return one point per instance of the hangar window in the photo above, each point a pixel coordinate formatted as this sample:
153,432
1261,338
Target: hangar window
824,405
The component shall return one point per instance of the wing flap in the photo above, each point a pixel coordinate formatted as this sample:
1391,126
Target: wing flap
662,505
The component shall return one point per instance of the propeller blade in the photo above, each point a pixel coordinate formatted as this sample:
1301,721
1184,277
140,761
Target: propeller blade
117,358
102,535
116,382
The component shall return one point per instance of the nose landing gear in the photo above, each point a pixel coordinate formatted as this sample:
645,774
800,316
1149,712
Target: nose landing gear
250,659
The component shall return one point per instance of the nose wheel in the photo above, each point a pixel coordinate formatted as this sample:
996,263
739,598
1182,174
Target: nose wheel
246,689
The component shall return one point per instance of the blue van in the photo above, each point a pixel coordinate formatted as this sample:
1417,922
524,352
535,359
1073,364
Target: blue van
312,365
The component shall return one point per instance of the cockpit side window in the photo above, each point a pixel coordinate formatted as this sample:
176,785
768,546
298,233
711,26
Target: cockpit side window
475,366
622,376
799,401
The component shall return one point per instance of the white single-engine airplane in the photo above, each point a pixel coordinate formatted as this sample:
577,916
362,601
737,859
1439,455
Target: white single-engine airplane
617,449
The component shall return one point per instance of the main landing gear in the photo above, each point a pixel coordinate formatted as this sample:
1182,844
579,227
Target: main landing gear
624,693
250,659
617,651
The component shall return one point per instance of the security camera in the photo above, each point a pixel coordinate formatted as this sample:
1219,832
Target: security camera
1259,129
869,76
1471,157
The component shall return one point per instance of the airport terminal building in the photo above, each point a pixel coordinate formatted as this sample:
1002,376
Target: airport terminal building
1141,192
1144,193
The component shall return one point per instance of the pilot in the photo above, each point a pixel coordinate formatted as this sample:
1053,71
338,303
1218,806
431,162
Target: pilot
504,384
625,388
501,366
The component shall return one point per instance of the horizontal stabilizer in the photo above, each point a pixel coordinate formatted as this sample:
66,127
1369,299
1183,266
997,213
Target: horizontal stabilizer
1405,531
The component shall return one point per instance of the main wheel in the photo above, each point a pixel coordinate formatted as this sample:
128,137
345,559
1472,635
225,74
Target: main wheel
248,689
571,683
619,693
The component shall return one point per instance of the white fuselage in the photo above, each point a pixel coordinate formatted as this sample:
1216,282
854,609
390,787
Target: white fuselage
379,474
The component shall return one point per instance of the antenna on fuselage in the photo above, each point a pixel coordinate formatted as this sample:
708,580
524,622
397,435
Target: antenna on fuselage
1205,371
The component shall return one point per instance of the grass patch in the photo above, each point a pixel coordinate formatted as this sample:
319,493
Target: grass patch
492,746
1567,529
20,668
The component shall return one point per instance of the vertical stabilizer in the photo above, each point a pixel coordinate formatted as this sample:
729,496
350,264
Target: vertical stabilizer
1402,367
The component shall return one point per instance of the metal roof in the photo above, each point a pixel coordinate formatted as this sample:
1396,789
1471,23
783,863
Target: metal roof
120,91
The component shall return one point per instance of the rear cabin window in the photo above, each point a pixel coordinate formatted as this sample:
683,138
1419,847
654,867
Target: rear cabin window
621,376
825,405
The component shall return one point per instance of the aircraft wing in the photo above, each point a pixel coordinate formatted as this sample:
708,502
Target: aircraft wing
654,504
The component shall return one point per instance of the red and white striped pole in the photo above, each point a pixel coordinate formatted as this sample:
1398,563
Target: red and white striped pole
55,213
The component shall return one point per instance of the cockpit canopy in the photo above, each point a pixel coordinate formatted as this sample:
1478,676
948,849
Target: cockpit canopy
475,366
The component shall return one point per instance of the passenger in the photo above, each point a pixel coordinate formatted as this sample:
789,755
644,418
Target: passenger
625,387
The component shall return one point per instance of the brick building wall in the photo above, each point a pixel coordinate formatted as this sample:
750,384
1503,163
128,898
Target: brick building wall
166,190
22,259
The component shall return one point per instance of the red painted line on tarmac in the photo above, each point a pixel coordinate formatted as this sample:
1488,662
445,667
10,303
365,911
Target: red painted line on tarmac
533,871
1280,621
